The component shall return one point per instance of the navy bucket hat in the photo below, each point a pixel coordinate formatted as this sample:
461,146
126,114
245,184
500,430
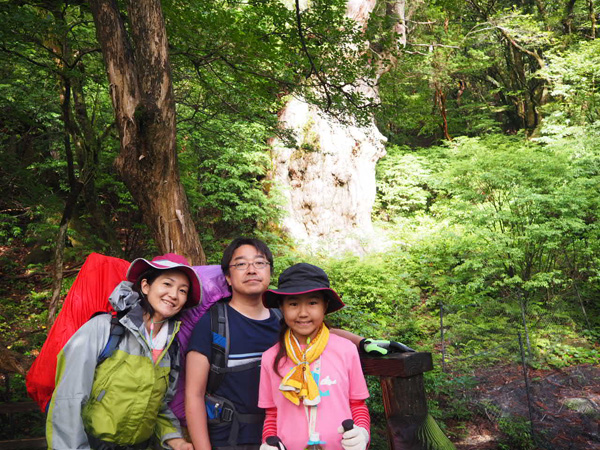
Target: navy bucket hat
299,279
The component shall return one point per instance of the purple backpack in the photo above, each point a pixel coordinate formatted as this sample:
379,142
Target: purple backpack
214,288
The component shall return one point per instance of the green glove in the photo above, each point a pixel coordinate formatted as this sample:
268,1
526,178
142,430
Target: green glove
375,347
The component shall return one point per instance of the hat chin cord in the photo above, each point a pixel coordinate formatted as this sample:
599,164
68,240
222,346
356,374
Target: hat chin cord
152,322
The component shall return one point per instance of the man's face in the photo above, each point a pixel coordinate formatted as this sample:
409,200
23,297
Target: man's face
249,280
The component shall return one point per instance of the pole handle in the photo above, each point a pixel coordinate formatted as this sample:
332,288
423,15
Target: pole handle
348,424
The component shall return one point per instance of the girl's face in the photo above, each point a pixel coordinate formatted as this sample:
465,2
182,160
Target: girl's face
304,314
167,294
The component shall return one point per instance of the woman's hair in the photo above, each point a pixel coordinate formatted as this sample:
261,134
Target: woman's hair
150,276
281,352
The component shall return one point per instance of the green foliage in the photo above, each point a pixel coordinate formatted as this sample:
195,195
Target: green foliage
225,176
28,424
517,433
574,74
9,229
564,354
476,69
233,61
45,46
525,203
378,295
451,399
509,233
401,184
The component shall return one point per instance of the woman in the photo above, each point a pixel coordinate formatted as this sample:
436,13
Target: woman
122,403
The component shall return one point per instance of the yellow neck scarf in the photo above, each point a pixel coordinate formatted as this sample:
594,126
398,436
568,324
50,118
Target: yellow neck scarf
299,383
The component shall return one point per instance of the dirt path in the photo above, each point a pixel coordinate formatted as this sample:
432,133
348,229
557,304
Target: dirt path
565,407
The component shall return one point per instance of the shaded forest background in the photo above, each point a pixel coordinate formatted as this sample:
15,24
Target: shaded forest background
487,201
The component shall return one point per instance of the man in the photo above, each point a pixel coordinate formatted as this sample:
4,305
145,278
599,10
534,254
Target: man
247,264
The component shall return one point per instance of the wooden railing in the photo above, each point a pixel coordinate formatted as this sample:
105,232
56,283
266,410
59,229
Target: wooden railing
405,402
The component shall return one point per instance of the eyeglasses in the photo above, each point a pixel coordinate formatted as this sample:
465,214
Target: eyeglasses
258,265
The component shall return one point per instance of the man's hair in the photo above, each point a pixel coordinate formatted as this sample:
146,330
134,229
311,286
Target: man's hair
259,245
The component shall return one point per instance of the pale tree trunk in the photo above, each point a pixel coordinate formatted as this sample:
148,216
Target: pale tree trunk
142,95
329,178
592,16
399,14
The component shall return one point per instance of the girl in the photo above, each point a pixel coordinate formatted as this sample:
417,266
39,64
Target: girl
121,404
311,381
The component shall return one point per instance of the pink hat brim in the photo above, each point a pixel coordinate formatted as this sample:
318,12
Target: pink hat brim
140,265
271,297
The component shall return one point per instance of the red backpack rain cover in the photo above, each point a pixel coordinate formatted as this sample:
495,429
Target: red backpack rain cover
89,294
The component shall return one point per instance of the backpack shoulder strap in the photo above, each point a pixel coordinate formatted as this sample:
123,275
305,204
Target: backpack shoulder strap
219,356
175,359
117,330
173,352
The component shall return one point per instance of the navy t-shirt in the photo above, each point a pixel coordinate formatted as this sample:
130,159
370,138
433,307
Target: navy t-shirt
248,340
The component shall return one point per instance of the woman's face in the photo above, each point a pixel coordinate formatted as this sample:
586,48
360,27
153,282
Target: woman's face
167,294
304,314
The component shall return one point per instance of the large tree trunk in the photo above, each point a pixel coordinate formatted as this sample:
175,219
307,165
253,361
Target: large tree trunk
142,95
329,178
521,62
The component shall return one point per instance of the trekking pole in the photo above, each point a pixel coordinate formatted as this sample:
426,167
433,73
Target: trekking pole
348,424
274,441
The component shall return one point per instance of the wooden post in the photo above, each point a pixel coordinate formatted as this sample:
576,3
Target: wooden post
403,391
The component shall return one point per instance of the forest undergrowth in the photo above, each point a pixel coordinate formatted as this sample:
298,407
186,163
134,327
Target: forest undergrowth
481,403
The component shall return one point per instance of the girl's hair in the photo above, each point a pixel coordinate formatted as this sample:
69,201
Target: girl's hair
150,276
281,352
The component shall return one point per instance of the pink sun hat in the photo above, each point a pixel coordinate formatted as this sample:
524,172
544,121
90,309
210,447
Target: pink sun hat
169,261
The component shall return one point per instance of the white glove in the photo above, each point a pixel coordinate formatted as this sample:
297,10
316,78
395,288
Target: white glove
355,439
266,446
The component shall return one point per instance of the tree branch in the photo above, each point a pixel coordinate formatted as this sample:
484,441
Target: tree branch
310,60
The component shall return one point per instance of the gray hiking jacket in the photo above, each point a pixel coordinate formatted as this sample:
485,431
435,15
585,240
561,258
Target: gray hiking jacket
124,399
